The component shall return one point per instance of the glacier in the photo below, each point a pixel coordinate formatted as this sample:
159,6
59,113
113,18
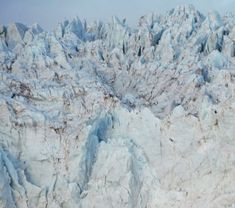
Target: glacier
104,115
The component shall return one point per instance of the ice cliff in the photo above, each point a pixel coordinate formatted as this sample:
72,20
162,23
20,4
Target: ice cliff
104,115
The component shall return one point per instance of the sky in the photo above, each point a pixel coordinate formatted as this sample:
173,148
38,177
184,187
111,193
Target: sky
48,13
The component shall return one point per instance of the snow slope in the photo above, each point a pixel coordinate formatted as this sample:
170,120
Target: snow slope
104,115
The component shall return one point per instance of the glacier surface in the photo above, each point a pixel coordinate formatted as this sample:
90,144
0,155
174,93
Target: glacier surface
104,115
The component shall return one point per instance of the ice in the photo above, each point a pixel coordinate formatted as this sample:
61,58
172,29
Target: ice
99,114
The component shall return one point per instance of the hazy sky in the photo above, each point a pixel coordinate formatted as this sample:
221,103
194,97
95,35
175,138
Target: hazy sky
49,12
